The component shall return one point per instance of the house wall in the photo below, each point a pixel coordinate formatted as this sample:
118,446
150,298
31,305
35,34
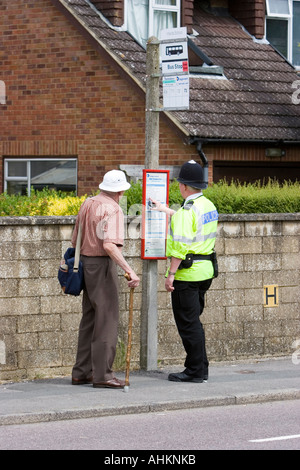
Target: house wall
187,11
113,10
248,163
39,324
65,100
251,13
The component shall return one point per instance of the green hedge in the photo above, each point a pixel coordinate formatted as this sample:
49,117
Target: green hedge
234,198
46,202
228,198
255,198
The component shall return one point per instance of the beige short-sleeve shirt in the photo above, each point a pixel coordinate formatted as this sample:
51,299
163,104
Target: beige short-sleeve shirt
102,220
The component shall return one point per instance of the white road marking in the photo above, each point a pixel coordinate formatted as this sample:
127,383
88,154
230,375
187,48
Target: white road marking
280,438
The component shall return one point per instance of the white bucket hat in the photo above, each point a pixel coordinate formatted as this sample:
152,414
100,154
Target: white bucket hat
114,181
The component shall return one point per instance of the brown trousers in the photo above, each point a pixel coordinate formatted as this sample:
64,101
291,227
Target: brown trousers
98,330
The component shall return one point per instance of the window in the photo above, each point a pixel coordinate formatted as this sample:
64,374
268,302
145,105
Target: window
146,18
283,28
296,34
20,175
277,35
278,7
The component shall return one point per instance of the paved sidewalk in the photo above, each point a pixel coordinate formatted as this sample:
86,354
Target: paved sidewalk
229,384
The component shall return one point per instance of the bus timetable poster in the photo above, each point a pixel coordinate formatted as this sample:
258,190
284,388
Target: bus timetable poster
154,223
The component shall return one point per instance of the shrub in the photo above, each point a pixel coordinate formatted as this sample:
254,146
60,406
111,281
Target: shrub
254,198
46,202
236,198
233,198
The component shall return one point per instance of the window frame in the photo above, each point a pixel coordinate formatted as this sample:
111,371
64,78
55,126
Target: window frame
278,15
289,19
28,161
153,7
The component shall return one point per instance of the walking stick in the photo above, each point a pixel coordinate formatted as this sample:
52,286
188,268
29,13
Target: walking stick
126,387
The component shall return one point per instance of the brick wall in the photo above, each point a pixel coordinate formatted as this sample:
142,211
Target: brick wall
112,10
65,100
251,13
39,324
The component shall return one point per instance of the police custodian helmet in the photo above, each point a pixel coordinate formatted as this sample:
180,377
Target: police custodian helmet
191,174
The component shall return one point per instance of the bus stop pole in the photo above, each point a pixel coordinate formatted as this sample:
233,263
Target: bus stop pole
148,334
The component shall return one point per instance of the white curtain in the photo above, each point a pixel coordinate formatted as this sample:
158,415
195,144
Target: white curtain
138,20
138,12
164,20
165,2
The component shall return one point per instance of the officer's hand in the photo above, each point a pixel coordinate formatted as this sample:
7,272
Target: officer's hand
158,206
155,205
169,283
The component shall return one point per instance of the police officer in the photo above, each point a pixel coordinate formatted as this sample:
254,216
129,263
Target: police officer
190,245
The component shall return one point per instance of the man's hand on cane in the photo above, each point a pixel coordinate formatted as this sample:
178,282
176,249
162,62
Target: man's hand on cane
133,279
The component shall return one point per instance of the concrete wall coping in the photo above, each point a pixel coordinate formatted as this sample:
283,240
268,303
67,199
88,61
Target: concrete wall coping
66,220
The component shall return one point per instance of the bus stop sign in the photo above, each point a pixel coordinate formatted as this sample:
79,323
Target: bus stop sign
174,51
175,68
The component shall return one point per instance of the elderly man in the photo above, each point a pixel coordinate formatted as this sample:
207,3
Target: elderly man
102,223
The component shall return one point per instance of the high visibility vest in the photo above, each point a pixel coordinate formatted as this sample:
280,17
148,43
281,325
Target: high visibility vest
193,229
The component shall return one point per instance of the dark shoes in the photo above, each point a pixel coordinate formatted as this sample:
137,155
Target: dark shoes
183,377
82,381
113,383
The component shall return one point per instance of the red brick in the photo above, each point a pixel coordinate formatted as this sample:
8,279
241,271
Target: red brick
65,100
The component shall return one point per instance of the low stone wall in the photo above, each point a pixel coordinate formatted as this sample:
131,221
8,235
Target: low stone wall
243,318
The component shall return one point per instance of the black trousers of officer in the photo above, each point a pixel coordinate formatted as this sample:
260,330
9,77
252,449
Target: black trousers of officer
188,304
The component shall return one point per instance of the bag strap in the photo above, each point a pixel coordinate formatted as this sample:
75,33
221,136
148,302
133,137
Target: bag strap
77,250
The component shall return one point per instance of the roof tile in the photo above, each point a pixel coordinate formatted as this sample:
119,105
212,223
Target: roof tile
252,102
